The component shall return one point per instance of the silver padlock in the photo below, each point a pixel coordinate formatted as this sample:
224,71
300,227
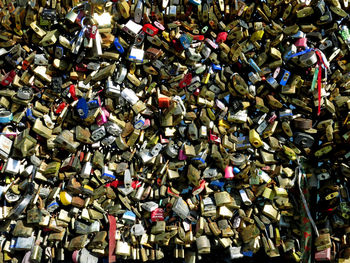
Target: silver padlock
235,252
108,140
130,96
112,90
86,170
136,54
181,208
203,245
245,198
138,11
98,134
156,149
193,55
132,28
113,128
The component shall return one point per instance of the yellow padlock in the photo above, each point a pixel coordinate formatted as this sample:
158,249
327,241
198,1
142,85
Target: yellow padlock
254,138
332,195
166,35
290,153
66,199
224,124
257,35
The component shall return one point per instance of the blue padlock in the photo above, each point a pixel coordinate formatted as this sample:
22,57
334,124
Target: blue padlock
216,67
83,108
93,104
185,41
217,184
29,114
118,46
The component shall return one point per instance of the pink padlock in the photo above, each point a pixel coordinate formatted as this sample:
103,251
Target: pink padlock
103,117
229,172
163,139
182,155
159,25
301,42
146,124
75,256
323,255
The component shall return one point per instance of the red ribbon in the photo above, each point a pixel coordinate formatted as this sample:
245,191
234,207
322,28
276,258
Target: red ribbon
319,79
112,241
319,84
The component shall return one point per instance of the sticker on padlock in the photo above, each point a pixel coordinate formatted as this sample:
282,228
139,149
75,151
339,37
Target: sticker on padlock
157,215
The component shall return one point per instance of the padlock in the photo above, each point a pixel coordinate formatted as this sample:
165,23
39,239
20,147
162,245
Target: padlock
324,255
122,248
222,198
245,198
323,242
303,139
36,253
203,245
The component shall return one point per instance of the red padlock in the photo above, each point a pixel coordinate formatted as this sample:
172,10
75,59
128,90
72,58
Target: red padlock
177,45
214,138
157,215
25,64
8,78
81,68
186,81
60,108
81,156
197,190
222,36
164,102
171,193
114,184
92,31
323,255
163,140
196,92
72,92
198,37
135,184
229,172
80,16
150,30
189,10
211,43
272,118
